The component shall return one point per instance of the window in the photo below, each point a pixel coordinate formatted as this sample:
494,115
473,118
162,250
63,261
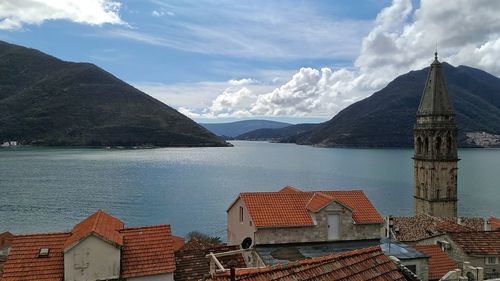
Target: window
250,223
491,260
241,214
412,268
44,252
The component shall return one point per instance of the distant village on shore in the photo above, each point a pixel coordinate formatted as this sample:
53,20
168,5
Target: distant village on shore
290,234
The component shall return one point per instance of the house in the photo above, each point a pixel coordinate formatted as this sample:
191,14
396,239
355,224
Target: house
293,216
439,263
97,248
477,248
364,264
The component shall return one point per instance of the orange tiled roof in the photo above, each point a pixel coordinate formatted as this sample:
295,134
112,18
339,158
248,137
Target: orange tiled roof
424,226
364,264
494,223
147,251
478,242
281,209
177,242
100,223
439,262
24,264
318,201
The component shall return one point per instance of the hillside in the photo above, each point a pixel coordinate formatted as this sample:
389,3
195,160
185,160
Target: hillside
386,118
285,134
47,101
234,129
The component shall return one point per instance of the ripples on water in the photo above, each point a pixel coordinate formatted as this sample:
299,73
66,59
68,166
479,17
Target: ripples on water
51,189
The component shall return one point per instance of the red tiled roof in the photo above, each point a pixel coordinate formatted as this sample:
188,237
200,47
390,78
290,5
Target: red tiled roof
424,226
281,209
177,242
101,224
147,251
494,223
478,242
24,264
439,262
364,264
192,265
318,201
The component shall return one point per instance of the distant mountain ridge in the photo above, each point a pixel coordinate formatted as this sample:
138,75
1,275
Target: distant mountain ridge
44,100
386,118
285,134
233,129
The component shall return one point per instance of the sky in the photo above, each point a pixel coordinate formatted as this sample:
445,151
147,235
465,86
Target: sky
292,61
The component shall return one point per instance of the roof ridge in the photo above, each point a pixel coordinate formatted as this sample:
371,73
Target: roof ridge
145,227
94,225
40,233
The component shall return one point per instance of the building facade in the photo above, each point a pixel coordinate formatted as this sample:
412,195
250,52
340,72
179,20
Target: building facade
294,216
435,143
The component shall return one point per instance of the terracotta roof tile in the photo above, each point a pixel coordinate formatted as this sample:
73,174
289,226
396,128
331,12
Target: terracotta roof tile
101,224
192,265
439,262
318,201
424,226
24,263
364,264
478,242
494,223
177,242
282,209
147,251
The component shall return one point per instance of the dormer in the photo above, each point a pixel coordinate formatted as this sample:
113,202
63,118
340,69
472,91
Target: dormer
92,251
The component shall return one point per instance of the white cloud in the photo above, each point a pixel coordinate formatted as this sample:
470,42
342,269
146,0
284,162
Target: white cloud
403,39
16,13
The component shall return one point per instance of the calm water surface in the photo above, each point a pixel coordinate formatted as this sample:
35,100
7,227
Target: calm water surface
51,189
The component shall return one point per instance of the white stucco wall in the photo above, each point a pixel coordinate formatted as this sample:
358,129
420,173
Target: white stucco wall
92,259
157,277
236,230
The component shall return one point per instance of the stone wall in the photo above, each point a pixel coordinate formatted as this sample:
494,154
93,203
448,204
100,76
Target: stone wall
319,232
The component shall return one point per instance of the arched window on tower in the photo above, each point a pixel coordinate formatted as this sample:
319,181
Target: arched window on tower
437,193
426,145
438,145
449,143
448,193
419,145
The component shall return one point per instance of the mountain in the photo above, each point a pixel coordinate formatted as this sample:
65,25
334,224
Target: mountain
44,100
386,118
285,134
234,129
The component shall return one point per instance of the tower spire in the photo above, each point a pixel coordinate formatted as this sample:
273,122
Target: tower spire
436,156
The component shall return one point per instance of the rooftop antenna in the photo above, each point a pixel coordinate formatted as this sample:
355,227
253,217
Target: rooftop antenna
436,51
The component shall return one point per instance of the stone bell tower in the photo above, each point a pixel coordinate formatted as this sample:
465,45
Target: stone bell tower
436,157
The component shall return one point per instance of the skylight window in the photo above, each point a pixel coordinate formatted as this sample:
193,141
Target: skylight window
44,252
